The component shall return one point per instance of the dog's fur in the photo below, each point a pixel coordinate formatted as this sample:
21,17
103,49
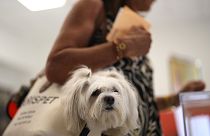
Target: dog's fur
104,101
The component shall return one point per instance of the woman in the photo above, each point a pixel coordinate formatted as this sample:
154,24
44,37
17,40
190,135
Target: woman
82,41
86,26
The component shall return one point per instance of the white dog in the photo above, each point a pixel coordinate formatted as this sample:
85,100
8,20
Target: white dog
104,101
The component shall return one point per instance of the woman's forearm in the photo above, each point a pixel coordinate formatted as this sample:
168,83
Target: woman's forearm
61,63
167,101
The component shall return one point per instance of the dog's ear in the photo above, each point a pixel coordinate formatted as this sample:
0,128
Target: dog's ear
71,114
133,119
72,92
132,101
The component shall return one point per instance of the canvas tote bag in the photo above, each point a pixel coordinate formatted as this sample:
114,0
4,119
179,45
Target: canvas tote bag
40,114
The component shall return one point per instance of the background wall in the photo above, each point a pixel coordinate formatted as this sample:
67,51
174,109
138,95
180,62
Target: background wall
19,59
178,26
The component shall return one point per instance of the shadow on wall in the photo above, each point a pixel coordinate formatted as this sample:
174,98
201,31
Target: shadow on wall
13,75
5,95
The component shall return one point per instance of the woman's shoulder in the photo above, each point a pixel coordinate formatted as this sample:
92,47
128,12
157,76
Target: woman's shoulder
90,5
95,2
84,10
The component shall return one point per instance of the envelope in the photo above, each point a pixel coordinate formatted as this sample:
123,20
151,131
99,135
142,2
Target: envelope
126,18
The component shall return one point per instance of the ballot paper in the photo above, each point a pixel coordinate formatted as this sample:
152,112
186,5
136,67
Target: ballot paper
126,18
196,113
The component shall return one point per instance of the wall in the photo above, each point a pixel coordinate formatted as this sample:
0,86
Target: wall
186,40
179,28
20,59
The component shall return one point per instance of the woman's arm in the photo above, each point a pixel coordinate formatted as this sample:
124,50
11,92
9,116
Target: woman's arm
68,59
173,100
70,49
167,101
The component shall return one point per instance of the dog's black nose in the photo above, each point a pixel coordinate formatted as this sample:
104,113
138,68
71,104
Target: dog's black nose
109,100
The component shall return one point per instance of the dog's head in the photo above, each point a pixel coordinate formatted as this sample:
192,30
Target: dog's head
103,99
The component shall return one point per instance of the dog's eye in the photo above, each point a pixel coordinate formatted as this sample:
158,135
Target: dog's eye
96,92
115,90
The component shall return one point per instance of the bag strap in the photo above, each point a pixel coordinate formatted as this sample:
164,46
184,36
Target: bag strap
85,131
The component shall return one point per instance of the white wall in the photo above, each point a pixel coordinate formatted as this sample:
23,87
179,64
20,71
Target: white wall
20,59
11,72
187,40
179,28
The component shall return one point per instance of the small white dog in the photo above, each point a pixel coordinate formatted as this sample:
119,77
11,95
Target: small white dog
104,101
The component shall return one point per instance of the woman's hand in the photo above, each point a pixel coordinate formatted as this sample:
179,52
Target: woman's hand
173,100
193,86
138,42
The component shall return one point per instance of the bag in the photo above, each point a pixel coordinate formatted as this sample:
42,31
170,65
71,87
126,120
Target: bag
40,113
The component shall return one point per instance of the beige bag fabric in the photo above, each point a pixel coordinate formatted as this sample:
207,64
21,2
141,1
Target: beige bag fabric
40,114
